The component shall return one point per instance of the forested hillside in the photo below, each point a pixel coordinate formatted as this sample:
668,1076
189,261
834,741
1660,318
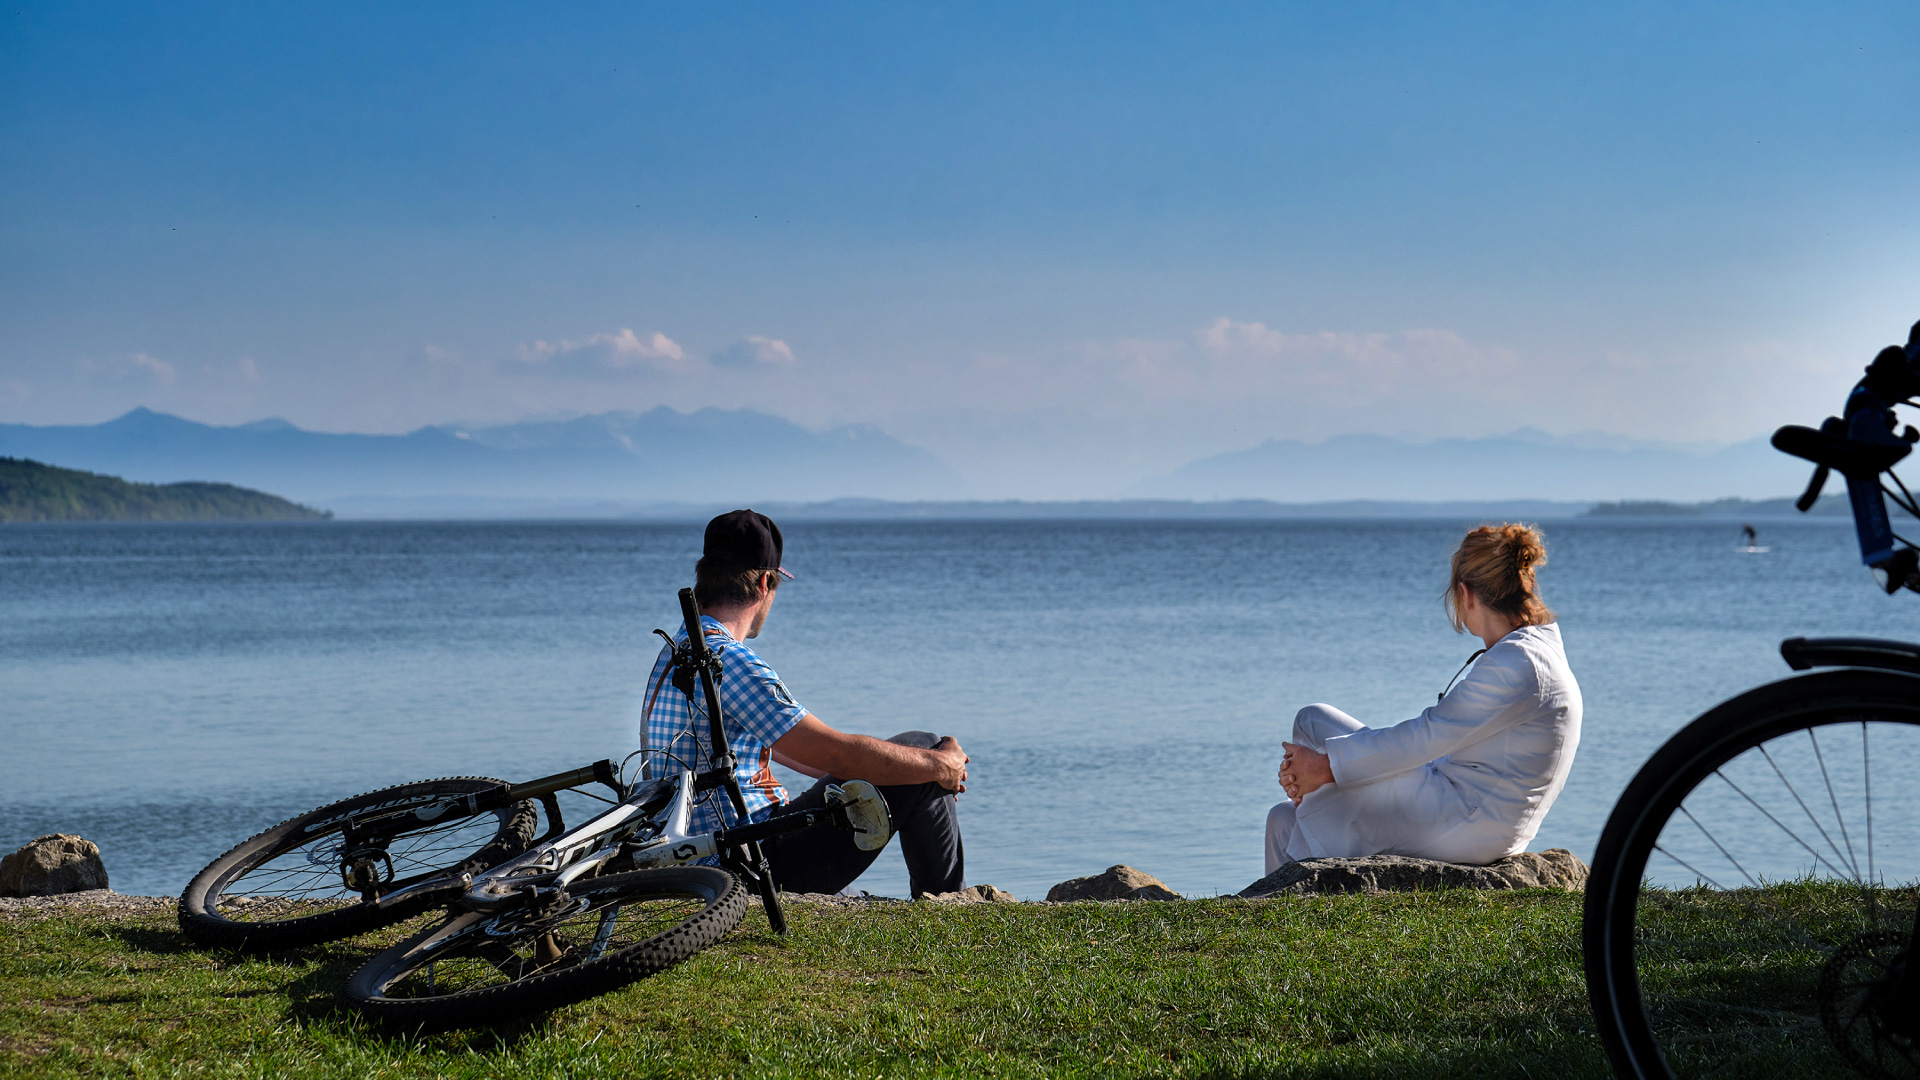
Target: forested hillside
31,491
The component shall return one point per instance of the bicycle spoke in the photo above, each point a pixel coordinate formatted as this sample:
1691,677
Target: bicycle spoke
1839,818
1777,823
1793,791
1866,773
307,880
1716,843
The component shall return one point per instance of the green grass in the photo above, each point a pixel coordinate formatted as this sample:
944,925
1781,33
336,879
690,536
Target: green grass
1446,984
1450,984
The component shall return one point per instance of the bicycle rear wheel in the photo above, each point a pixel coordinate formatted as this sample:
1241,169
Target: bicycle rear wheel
1756,880
288,887
484,968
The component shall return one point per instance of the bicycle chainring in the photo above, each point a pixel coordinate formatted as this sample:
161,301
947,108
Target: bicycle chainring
1854,985
531,920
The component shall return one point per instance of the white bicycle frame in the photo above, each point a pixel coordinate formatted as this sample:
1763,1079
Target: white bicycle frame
665,807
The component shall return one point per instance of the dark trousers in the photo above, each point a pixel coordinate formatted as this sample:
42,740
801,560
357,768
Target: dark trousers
825,859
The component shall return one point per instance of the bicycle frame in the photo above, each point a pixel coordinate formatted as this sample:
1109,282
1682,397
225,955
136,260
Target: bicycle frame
648,827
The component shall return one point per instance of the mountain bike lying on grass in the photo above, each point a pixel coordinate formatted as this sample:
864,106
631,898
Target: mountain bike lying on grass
531,924
1753,909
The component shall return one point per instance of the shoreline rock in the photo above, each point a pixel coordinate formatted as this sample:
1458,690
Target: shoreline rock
53,865
1554,868
1121,882
977,894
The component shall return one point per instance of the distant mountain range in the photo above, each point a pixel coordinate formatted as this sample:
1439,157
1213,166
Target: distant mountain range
713,454
31,491
663,463
1521,465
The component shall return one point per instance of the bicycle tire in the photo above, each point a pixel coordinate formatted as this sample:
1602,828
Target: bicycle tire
282,888
481,968
1733,974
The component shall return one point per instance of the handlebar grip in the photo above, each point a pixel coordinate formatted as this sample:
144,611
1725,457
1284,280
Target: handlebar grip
1849,457
696,634
1812,495
1861,463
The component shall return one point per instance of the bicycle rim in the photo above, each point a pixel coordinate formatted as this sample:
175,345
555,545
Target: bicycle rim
286,887
482,968
1749,882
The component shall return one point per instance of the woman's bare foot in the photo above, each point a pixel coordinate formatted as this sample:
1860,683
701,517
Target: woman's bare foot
1303,771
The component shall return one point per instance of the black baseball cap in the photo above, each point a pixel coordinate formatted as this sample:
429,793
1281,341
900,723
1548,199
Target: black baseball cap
745,539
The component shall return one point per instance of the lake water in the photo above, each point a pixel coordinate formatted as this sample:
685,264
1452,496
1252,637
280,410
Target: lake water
1122,687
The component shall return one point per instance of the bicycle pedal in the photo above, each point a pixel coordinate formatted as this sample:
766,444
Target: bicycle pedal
866,812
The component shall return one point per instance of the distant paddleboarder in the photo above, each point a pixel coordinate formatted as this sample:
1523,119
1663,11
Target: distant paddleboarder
1753,538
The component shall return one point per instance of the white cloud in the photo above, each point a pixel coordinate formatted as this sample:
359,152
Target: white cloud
161,371
1409,364
127,366
754,351
1251,377
624,351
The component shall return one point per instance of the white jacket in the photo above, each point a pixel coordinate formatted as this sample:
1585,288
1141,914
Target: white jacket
1468,780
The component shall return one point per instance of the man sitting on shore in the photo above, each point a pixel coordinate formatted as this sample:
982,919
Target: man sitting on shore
918,774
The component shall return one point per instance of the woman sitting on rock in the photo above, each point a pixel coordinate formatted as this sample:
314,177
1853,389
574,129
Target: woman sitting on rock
1468,780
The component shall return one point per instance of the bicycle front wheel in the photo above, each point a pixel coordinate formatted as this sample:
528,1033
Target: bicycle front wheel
1756,883
300,882
484,968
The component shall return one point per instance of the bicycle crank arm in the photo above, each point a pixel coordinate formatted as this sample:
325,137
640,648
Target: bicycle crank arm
431,885
776,826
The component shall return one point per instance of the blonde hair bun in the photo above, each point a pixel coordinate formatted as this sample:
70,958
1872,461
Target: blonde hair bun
1498,563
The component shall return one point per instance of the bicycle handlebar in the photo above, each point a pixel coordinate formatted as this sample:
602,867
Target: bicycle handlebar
701,659
696,636
1861,444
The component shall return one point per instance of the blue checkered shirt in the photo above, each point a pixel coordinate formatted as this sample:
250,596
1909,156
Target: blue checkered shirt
756,708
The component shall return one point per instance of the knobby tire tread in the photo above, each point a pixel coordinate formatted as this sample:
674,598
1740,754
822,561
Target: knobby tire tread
202,924
554,989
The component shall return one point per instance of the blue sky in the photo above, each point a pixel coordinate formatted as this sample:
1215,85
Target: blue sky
1063,246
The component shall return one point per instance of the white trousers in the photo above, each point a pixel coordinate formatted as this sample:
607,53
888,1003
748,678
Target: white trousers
1312,726
1419,813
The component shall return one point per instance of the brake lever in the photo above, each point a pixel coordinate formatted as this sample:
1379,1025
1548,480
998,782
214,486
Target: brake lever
1812,495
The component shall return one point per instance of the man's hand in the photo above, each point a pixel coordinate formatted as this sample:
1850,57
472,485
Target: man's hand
812,747
1303,771
955,760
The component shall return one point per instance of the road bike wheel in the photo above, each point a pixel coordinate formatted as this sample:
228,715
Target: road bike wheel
480,968
287,887
1756,879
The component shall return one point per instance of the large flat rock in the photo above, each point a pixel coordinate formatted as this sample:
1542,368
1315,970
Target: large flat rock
1554,868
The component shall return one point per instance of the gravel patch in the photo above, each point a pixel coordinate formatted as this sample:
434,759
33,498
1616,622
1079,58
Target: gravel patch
90,902
830,899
